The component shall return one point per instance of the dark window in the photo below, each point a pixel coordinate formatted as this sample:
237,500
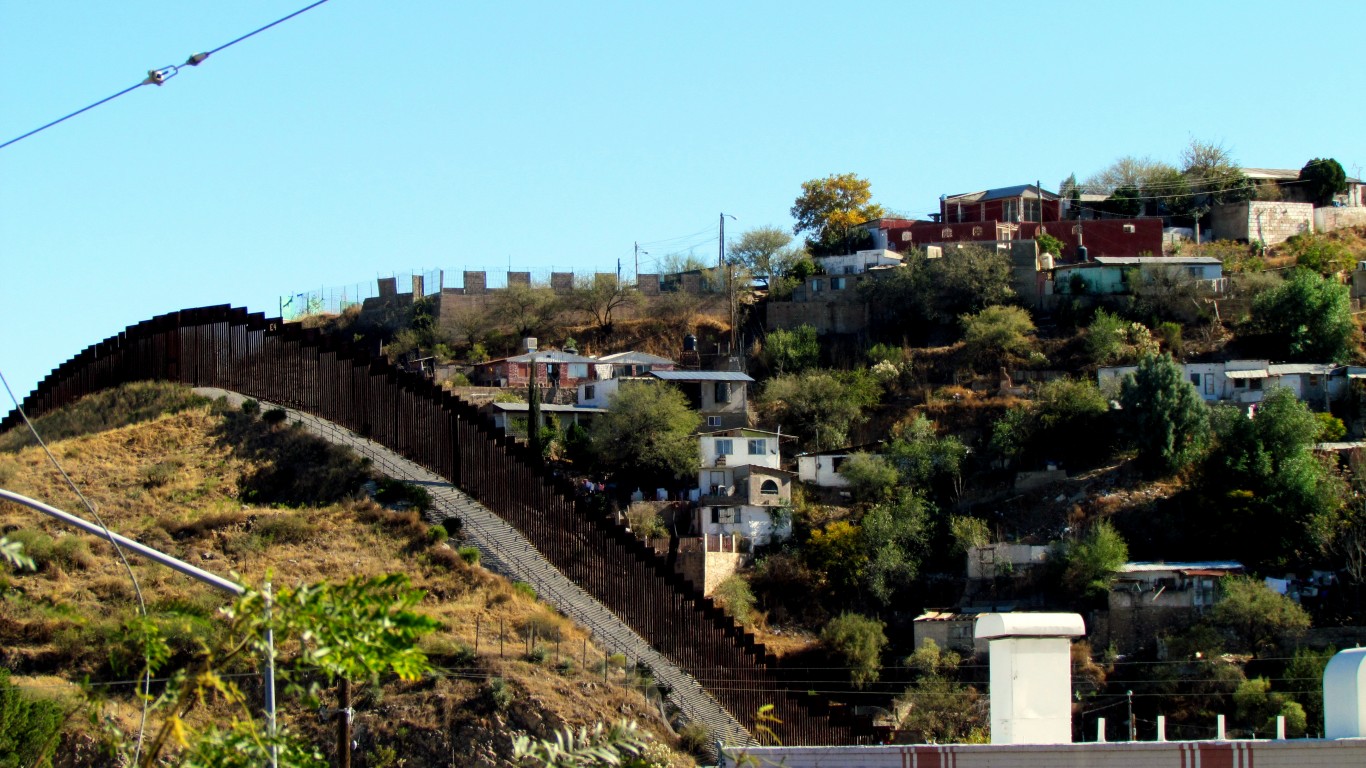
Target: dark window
1195,379
590,392
1256,384
769,488
723,391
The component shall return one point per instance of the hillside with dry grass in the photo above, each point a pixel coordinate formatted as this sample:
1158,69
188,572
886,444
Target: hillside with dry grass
234,494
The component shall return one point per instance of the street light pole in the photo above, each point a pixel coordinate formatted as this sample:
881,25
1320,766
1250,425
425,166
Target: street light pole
213,580
728,275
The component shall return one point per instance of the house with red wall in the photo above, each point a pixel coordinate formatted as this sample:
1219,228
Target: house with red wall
554,368
1022,212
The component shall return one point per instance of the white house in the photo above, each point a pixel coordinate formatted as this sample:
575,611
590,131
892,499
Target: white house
1246,381
821,468
740,486
859,262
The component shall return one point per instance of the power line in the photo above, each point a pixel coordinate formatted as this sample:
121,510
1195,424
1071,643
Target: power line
160,75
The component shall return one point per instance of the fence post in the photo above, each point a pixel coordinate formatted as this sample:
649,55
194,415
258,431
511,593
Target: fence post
1161,727
1100,730
1220,729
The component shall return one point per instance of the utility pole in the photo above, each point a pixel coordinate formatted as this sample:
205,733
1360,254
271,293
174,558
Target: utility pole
728,275
638,252
1133,731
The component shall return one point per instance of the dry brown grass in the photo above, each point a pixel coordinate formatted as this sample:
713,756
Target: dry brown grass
61,621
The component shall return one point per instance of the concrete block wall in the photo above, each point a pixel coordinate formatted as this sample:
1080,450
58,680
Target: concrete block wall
1268,222
388,287
1329,219
833,317
476,283
692,283
419,286
562,282
648,284
519,278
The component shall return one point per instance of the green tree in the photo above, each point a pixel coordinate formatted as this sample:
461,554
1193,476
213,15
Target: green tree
856,642
792,351
645,437
1050,244
1256,616
527,311
1323,178
837,551
1277,494
1304,679
601,296
871,477
1258,707
939,709
998,334
1069,420
736,597
923,458
966,280
829,210
820,406
1163,415
1214,176
895,538
29,727
1089,562
766,252
1309,317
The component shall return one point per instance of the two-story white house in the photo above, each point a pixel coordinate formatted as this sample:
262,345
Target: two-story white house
740,486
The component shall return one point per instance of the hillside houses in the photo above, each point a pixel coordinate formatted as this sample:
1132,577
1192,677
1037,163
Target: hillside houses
1247,381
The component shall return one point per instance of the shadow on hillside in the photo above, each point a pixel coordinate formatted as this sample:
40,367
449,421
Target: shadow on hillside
290,466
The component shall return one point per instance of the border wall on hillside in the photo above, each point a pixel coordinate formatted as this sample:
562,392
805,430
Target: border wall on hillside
283,363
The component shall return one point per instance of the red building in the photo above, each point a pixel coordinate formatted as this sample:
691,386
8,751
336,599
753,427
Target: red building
553,369
1018,213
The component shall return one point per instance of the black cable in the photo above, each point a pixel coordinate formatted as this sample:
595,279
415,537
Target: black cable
159,76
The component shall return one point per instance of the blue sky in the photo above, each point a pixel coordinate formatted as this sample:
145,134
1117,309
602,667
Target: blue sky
364,139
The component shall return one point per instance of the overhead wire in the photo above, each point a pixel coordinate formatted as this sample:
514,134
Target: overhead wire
160,75
137,588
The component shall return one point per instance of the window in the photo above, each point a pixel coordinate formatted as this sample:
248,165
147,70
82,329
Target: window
724,447
1128,229
1193,271
722,392
713,421
836,283
906,236
590,392
1010,210
946,233
1195,379
552,371
1033,209
850,269
758,447
976,231
1255,385
716,515
769,488
1240,383
815,286
578,370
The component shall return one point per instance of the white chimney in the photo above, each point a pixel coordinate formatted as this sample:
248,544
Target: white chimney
1344,695
1031,675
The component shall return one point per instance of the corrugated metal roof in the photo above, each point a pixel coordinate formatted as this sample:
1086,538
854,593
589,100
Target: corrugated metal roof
551,356
1208,565
1290,369
547,407
1019,190
701,376
1251,373
1174,261
635,358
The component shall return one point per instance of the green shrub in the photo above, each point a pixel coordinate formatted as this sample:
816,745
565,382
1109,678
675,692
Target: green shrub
275,416
287,528
735,596
28,726
251,407
856,642
499,694
543,626
523,588
537,655
437,534
159,474
401,495
565,666
469,554
695,739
